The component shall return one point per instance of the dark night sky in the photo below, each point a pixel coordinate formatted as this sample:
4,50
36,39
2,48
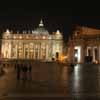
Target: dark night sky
28,17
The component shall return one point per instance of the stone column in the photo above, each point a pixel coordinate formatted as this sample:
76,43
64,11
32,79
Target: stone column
24,50
47,52
9,50
34,51
2,50
82,54
87,51
39,51
28,51
93,54
99,53
16,52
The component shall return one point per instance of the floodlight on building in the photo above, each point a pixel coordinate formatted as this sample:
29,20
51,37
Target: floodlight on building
20,37
58,32
62,58
32,31
27,36
7,31
36,37
44,37
41,23
96,62
78,55
14,37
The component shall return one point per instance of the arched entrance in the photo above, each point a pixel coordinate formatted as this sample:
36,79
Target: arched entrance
57,55
77,54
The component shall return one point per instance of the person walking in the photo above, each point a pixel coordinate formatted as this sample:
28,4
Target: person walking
18,71
24,70
30,71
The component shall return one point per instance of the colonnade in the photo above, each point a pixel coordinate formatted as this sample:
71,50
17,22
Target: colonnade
93,51
35,51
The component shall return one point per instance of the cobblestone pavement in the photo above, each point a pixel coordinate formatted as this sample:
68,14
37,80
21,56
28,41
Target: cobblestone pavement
52,81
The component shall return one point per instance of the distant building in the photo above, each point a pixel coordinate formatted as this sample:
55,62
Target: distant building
37,44
84,45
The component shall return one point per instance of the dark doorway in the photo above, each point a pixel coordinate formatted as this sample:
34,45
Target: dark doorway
57,55
89,52
96,53
88,59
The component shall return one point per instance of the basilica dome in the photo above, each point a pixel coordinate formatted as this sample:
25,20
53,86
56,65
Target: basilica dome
40,30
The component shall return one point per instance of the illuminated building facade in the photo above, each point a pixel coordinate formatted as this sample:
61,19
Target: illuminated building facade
37,44
84,45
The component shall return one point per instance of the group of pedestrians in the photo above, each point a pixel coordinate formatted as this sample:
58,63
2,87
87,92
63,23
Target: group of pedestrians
23,71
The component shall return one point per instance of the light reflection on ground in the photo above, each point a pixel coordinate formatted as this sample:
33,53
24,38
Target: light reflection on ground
54,79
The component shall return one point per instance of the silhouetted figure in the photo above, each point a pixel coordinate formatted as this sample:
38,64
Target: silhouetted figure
18,71
15,66
30,71
24,70
53,59
72,66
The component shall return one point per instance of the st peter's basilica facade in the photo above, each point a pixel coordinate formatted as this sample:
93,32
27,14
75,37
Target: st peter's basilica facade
37,44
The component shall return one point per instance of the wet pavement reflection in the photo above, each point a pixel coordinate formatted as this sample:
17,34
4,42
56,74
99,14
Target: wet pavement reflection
85,81
54,79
